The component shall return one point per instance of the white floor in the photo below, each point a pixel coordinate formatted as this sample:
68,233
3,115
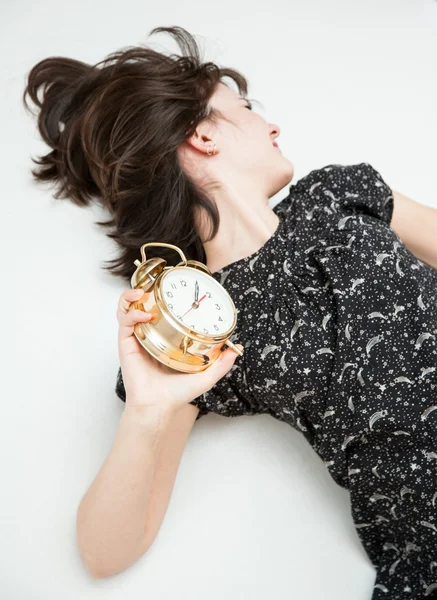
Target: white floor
254,513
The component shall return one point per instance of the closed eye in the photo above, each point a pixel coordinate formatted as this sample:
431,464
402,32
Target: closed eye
249,105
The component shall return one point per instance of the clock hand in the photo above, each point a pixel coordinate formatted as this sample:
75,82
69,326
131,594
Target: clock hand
194,305
196,291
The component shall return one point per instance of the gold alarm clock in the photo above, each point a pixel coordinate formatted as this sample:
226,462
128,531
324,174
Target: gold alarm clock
195,314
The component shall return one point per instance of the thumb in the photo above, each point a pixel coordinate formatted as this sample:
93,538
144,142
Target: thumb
206,379
222,365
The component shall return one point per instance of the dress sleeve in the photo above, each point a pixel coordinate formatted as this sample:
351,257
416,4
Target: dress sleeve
349,189
229,396
119,386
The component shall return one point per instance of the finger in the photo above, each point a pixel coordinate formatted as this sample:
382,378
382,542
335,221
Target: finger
130,319
129,296
221,366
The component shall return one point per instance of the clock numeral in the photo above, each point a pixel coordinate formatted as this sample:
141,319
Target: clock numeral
173,285
192,326
169,294
205,330
208,294
218,306
183,283
220,319
170,306
216,328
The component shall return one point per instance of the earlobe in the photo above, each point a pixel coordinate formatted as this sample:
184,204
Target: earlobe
211,149
203,144
197,142
202,138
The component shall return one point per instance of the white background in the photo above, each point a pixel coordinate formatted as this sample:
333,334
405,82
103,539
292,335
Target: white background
254,513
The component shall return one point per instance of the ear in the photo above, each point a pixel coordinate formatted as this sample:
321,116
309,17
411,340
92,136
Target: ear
202,139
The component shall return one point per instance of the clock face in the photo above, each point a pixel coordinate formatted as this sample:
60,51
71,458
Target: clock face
197,300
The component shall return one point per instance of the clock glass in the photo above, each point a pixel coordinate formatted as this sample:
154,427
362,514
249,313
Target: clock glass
197,300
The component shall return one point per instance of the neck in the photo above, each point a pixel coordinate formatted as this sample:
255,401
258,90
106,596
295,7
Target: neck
241,233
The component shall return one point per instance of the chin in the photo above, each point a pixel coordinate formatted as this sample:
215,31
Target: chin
287,173
290,169
281,180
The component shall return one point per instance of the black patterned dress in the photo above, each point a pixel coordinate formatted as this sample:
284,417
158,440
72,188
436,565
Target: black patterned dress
339,323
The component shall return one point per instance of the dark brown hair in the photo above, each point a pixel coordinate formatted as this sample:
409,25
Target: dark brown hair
114,128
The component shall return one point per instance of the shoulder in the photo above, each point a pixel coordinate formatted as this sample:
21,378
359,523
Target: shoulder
345,189
336,173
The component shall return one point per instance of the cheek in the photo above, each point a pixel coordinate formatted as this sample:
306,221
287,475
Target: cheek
249,145
257,160
253,126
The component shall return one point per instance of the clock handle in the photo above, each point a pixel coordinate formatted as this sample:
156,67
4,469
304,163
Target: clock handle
231,345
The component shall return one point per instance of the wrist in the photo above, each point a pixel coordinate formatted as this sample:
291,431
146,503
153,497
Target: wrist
149,415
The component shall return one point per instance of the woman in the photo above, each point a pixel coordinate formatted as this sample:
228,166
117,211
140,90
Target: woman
337,317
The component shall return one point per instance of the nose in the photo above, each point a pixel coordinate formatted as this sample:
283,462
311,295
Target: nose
275,130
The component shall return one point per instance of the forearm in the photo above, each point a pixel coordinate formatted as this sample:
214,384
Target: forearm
112,514
416,225
424,244
431,256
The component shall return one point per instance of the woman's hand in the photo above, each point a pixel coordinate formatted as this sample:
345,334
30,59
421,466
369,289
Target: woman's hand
146,380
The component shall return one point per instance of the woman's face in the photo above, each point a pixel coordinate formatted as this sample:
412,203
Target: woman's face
245,150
